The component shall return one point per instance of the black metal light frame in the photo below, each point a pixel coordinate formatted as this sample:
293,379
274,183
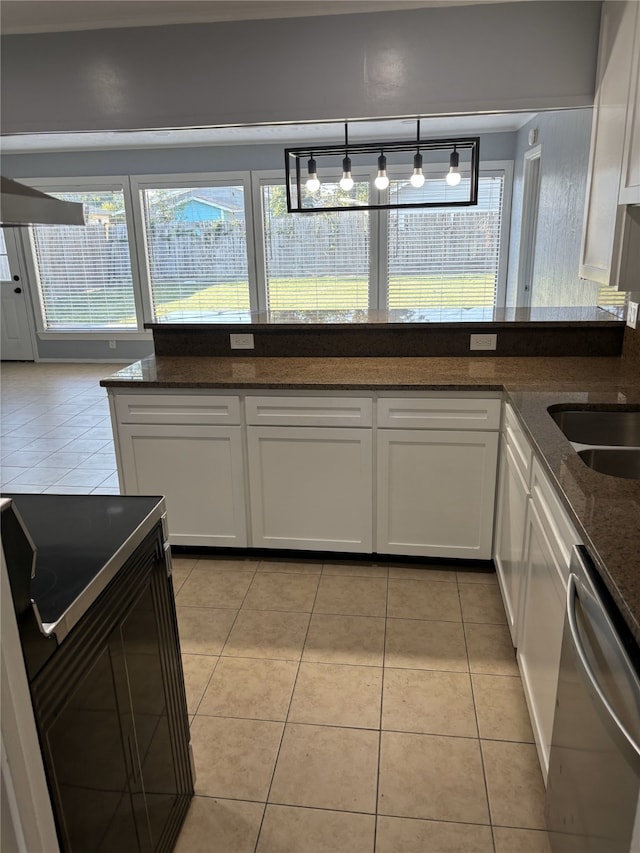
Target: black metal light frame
295,160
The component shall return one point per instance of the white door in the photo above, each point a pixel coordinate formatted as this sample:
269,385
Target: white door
436,492
311,488
16,343
199,470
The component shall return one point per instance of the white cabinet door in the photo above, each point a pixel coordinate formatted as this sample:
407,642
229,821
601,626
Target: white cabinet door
604,221
540,637
311,488
436,492
511,516
199,469
630,178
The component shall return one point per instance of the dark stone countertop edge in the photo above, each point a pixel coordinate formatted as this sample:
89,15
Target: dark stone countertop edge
483,325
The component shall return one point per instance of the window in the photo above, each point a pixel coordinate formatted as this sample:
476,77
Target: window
84,273
196,250
180,248
5,272
446,259
318,261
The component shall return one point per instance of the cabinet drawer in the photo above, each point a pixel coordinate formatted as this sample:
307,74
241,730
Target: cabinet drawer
309,411
439,413
555,522
177,409
515,439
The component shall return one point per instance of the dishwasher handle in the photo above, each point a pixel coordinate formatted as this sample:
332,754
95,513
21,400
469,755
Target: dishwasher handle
614,724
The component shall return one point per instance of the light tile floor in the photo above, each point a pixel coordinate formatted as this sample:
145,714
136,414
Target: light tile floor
336,708
55,432
353,708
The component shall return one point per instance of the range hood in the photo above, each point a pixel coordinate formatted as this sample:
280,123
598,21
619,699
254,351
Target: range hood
22,205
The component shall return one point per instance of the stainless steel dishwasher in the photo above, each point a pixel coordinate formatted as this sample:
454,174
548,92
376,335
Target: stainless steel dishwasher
594,764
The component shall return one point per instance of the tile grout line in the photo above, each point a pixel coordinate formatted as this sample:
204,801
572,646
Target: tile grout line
286,719
475,712
384,657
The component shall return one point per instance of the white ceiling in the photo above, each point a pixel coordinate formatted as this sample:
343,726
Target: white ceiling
283,134
40,16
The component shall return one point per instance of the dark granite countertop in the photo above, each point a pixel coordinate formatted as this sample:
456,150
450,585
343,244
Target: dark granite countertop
385,318
604,509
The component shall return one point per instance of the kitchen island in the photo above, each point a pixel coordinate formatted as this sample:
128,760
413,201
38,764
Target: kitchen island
605,510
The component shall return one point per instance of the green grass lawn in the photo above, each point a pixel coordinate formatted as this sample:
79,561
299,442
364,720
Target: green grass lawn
308,294
285,294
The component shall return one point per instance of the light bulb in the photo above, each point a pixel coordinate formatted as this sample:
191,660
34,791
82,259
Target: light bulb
313,184
454,177
417,179
346,181
382,181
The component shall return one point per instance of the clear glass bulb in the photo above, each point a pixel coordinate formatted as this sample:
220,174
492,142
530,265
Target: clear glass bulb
453,177
417,179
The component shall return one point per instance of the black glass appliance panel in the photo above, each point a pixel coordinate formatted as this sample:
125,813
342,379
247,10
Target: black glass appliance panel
75,536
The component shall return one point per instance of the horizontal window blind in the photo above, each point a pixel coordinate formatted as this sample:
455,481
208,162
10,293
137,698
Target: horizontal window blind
196,251
316,261
84,273
5,272
445,259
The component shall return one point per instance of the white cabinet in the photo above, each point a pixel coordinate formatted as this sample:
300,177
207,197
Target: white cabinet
549,540
607,231
311,488
630,177
511,518
310,471
436,487
166,446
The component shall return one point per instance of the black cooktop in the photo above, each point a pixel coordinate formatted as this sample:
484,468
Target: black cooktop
75,537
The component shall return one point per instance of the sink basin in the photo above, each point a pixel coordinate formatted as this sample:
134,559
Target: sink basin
612,461
595,426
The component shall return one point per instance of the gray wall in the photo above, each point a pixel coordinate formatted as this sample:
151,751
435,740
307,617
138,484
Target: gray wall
474,58
565,138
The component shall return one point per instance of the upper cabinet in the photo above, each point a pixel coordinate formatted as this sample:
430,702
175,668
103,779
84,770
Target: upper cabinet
610,235
630,177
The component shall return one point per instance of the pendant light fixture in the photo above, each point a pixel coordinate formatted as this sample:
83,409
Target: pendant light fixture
454,177
346,181
417,179
463,154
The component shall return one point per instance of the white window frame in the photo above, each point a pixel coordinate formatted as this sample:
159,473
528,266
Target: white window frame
379,223
488,169
84,184
276,177
179,180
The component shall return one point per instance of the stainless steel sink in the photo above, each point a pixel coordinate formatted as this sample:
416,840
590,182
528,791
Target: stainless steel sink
595,426
613,461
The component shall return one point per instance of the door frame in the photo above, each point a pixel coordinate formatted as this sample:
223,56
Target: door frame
529,224
13,238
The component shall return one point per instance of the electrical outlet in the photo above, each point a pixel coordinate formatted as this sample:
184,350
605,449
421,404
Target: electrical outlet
112,344
241,341
632,314
483,342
